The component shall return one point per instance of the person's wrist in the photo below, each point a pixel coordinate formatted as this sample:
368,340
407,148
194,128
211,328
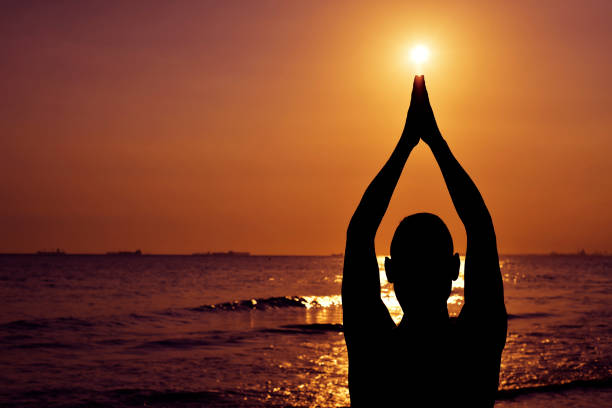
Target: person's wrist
435,140
409,138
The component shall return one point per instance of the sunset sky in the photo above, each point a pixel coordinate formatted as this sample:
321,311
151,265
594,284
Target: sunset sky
189,126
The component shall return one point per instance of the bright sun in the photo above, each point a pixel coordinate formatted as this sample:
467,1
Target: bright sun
419,54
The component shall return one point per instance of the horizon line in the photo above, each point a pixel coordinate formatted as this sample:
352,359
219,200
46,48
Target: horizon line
247,254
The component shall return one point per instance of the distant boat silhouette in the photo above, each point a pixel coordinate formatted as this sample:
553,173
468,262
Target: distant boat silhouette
228,253
54,253
124,253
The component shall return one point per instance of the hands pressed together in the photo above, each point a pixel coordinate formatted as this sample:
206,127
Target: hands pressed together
420,122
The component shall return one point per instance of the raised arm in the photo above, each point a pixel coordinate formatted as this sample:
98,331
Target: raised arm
483,282
361,299
375,200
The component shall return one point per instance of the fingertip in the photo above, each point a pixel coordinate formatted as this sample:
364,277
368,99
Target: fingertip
418,85
419,93
423,83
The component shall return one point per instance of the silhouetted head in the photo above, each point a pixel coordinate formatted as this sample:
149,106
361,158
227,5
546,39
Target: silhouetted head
422,264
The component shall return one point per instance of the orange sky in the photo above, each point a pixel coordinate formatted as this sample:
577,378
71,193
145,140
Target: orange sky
177,127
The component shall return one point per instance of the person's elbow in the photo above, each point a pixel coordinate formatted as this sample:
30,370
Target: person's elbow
359,235
480,224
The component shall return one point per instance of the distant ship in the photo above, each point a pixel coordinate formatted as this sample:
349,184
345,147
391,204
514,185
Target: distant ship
580,252
54,253
228,253
124,253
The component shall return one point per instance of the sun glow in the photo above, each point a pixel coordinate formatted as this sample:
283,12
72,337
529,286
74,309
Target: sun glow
419,56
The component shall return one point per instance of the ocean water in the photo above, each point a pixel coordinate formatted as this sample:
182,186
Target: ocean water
265,331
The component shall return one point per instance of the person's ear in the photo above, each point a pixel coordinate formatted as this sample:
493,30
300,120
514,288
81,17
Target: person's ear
455,266
389,269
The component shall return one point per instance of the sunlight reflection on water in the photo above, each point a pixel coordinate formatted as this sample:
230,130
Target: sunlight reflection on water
322,301
455,300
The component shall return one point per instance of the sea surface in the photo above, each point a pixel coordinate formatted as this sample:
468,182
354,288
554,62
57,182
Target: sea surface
265,331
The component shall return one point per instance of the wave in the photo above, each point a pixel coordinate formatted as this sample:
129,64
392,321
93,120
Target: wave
510,393
269,303
25,328
529,315
37,324
47,345
133,397
264,303
226,338
114,321
272,303
313,328
178,343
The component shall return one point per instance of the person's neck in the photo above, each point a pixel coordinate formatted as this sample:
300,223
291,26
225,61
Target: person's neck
426,318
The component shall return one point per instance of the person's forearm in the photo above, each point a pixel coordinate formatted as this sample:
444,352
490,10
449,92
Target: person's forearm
483,281
377,196
466,198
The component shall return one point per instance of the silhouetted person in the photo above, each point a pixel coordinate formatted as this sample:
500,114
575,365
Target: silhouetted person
429,359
